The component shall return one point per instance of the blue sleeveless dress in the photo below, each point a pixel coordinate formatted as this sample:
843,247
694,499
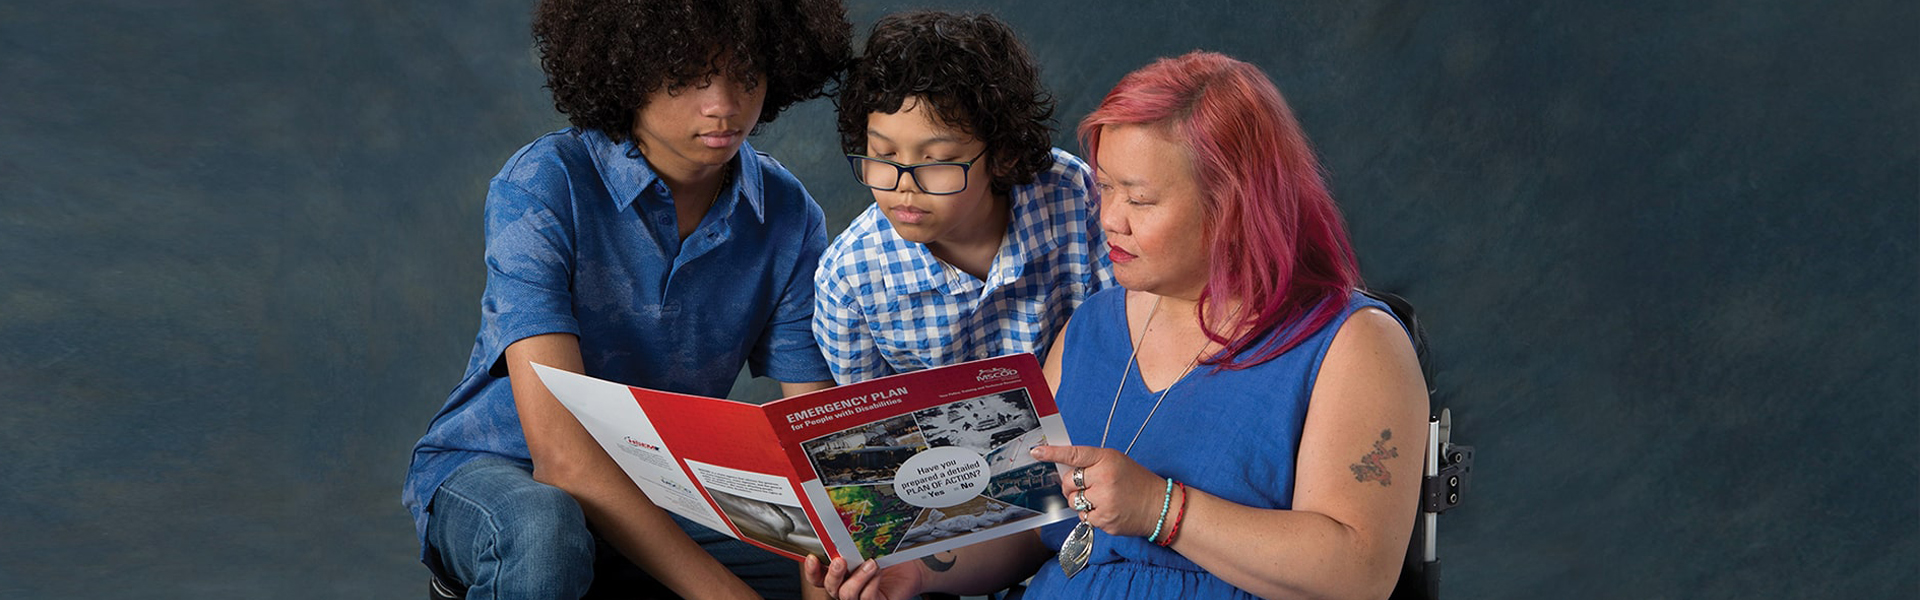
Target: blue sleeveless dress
1231,433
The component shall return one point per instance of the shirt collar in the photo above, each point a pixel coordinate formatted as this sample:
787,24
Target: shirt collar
626,174
912,267
919,270
1029,232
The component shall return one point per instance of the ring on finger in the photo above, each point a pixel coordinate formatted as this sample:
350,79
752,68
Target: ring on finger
1079,478
1080,502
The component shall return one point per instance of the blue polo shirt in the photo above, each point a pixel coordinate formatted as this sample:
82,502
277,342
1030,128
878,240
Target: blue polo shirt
582,239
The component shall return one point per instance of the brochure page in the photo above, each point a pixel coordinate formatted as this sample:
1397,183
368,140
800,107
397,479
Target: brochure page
934,460
616,421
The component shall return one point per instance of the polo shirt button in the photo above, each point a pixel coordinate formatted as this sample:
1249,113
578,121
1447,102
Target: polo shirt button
666,220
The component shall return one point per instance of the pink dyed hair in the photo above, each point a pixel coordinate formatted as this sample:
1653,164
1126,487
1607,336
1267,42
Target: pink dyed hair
1275,239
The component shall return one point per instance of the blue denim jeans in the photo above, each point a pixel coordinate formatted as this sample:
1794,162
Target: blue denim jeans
497,533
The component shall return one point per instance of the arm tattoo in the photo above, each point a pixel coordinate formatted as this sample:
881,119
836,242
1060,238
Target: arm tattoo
934,562
1373,467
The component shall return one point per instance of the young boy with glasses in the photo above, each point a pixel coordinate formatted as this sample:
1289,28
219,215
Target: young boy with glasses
982,238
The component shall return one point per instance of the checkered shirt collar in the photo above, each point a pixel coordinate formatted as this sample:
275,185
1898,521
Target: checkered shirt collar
912,267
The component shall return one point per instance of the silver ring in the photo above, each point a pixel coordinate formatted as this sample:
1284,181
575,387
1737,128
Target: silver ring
1080,502
1079,478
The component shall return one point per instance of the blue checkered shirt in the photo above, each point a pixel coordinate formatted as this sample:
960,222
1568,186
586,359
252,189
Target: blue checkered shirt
884,305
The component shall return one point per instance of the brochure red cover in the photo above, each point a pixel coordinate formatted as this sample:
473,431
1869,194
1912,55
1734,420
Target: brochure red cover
890,469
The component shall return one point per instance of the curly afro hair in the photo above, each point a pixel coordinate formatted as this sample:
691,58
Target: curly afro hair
603,58
975,73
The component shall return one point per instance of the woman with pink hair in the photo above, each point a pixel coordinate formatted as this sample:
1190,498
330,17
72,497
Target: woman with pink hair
1247,423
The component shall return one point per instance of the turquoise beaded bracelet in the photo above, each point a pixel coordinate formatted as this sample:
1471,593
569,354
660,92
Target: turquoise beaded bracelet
1165,502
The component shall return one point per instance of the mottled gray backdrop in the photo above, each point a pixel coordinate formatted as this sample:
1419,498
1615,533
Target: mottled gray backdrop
1666,251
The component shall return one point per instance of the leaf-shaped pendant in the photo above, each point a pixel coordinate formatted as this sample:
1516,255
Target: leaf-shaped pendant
1077,549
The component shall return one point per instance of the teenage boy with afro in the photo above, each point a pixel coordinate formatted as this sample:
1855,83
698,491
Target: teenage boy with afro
982,238
649,244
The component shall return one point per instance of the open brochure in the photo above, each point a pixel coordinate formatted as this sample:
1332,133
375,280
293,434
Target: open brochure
891,469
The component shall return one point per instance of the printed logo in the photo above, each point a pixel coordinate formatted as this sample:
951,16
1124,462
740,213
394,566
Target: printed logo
639,444
994,373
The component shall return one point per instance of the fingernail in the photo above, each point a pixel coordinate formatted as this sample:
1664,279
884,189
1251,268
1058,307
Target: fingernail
1035,451
868,567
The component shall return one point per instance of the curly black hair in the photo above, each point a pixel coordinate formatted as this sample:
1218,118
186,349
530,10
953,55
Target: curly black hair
604,58
976,74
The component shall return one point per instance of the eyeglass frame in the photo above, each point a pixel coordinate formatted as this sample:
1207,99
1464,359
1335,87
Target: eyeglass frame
902,171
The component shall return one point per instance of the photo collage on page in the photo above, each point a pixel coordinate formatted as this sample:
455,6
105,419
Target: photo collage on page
858,467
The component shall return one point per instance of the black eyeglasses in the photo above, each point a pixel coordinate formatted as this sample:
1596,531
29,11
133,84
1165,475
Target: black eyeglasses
936,178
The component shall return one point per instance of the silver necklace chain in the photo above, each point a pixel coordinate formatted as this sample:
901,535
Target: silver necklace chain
1131,357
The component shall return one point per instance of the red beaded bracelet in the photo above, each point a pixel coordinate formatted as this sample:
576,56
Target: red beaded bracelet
1177,518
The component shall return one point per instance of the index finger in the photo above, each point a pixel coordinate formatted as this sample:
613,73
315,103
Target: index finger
814,571
1069,456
